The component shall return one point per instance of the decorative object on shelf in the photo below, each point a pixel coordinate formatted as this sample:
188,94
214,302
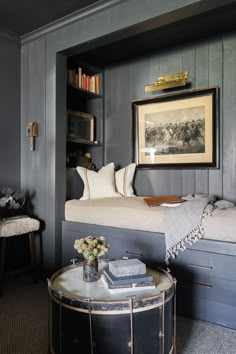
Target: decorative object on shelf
32,132
177,130
11,201
80,127
168,81
91,248
85,160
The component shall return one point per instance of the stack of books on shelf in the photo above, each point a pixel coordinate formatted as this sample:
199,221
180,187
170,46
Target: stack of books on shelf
78,78
127,275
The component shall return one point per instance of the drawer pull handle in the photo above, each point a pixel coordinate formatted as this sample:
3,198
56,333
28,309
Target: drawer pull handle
200,266
203,285
134,254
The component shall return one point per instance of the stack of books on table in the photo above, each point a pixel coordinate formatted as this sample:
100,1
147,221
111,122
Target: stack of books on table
127,275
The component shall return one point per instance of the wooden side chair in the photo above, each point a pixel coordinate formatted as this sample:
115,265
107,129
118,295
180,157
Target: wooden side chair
15,227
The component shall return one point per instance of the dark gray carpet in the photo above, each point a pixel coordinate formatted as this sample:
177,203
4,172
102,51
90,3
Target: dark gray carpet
24,317
24,324
198,337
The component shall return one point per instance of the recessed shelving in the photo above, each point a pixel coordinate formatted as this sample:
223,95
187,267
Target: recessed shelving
82,142
83,93
84,88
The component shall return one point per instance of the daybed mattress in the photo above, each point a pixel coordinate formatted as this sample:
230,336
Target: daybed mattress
134,213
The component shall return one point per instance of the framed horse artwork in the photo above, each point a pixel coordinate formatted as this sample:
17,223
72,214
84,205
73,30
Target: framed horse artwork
179,130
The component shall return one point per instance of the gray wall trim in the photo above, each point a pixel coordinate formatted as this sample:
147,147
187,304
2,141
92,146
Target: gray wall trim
11,38
103,5
91,10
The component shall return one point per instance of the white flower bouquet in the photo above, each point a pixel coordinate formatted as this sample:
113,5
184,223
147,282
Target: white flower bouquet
92,247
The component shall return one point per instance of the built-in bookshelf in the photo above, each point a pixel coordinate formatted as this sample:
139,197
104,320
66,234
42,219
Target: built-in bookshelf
85,106
77,78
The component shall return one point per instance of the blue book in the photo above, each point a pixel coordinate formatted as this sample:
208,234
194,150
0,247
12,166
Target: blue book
133,279
127,287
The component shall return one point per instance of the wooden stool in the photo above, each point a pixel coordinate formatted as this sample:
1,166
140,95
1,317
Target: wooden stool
17,226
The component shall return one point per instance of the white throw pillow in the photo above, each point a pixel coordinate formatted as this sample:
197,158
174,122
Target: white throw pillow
99,184
124,180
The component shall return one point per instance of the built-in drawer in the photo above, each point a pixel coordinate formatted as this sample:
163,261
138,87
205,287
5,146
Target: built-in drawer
133,244
205,263
129,243
214,289
206,309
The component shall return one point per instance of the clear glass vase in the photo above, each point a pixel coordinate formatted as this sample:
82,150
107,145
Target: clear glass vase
90,270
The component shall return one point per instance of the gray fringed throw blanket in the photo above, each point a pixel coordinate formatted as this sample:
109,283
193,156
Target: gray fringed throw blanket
183,224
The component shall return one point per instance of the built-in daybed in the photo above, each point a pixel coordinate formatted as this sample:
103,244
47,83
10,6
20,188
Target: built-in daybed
204,271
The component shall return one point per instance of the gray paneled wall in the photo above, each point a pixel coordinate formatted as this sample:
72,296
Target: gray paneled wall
210,63
33,171
229,114
9,111
43,171
33,109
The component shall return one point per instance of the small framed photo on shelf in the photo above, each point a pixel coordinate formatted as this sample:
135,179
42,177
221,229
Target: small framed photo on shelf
80,127
179,130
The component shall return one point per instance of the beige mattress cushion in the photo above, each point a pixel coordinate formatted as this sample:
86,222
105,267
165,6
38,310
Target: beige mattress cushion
128,213
134,213
221,225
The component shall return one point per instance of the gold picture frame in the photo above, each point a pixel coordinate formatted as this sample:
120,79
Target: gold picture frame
178,130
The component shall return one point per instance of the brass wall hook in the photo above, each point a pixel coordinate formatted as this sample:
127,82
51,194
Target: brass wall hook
32,132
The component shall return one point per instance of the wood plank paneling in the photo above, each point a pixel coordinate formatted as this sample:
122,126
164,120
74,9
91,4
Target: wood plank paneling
153,63
61,129
216,79
229,121
24,115
176,176
139,71
202,81
10,111
34,61
118,128
204,61
33,175
38,108
140,77
33,109
189,64
96,108
125,82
